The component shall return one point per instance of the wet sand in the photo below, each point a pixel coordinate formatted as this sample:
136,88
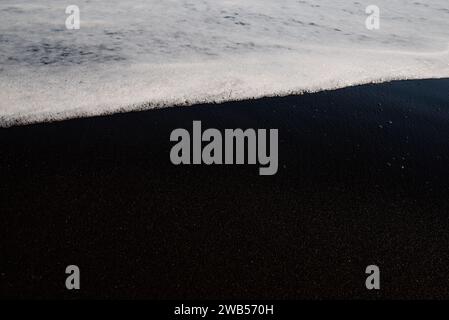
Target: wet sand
363,179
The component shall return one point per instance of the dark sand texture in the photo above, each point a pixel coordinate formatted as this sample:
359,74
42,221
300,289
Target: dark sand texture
363,179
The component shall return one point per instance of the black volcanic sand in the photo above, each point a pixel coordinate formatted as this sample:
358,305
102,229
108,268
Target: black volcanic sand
363,179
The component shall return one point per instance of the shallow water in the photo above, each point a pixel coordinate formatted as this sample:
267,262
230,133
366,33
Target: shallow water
144,54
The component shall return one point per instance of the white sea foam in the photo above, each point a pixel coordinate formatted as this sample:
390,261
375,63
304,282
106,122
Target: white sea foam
138,54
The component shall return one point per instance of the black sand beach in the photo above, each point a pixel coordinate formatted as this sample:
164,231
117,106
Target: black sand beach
363,179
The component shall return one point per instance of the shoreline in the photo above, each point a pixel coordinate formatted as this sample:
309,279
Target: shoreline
14,121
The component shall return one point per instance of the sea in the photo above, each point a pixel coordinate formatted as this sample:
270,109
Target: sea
141,54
